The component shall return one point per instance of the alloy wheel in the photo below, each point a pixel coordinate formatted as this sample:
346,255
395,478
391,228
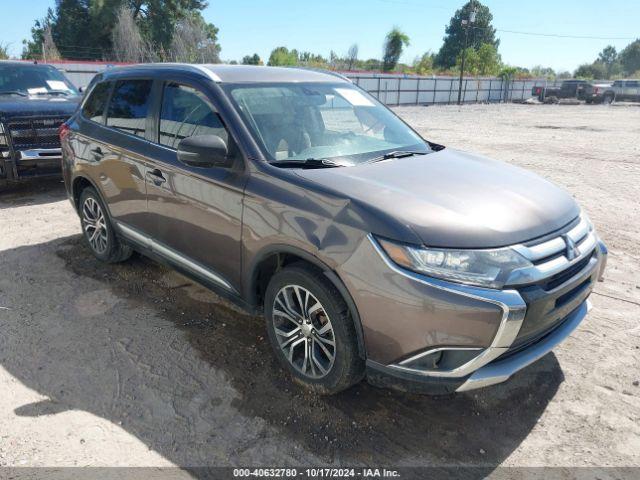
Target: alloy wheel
304,331
94,224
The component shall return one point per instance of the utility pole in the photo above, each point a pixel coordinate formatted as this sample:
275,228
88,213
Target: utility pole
465,24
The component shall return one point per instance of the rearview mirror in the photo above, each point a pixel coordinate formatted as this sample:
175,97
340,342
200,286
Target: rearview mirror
204,151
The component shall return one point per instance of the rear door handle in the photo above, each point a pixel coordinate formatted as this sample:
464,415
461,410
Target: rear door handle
97,153
156,177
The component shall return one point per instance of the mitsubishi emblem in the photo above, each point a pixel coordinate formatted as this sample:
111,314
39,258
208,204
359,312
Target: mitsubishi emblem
572,250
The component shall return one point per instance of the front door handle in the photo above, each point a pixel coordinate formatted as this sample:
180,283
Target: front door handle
156,177
97,153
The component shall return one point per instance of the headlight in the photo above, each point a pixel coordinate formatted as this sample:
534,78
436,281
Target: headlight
484,268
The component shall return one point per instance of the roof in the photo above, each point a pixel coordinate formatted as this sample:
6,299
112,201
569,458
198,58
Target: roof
23,62
241,73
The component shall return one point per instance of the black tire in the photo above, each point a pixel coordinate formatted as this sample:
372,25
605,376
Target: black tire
608,99
347,367
108,248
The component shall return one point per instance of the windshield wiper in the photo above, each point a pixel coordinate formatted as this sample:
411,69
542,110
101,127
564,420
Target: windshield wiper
54,92
307,163
13,92
394,154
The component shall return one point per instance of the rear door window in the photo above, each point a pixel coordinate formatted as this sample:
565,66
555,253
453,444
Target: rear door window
186,112
129,106
93,108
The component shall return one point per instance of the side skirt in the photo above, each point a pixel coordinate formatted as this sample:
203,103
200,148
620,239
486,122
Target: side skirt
189,268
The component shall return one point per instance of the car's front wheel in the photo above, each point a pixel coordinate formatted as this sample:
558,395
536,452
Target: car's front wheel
98,231
311,330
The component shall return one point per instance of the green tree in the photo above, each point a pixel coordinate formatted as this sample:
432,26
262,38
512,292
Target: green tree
489,60
311,60
251,59
424,64
480,32
282,57
84,28
609,58
539,71
32,49
482,61
370,64
590,71
195,41
630,57
394,43
471,61
4,51
72,27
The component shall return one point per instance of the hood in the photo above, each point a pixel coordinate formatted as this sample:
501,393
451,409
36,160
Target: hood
455,199
12,105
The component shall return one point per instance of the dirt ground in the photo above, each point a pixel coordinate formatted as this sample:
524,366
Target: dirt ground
134,365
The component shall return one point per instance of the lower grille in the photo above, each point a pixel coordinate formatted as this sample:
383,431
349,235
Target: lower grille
560,278
547,308
34,132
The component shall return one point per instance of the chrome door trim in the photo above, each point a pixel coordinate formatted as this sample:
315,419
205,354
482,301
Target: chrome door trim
173,256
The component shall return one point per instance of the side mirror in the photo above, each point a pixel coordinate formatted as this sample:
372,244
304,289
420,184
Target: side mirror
204,151
81,89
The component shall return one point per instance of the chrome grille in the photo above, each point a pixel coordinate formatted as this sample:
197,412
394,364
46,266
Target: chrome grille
34,132
553,257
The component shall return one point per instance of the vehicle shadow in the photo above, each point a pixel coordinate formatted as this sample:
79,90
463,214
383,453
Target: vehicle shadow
33,192
194,378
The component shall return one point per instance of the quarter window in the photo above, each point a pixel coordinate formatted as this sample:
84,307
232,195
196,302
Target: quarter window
129,105
187,112
94,106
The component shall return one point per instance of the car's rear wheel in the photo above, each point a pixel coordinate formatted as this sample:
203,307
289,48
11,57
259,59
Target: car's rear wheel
608,99
98,231
311,330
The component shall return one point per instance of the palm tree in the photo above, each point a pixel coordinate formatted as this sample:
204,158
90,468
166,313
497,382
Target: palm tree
394,43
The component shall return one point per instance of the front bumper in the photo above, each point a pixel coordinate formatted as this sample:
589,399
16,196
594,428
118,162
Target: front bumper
516,344
492,373
30,163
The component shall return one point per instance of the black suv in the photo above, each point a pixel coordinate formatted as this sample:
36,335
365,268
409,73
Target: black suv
34,101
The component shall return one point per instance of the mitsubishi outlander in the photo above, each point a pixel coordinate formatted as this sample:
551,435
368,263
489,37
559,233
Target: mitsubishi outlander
369,250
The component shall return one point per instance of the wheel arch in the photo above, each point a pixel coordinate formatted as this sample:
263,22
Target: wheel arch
275,257
79,183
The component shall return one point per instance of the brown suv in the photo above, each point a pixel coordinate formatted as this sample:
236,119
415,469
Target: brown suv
368,249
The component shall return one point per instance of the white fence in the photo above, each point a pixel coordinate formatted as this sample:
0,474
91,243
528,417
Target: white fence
390,89
413,90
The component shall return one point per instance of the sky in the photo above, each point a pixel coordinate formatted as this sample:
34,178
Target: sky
319,26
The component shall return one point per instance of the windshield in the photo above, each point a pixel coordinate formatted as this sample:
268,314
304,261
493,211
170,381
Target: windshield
338,122
32,79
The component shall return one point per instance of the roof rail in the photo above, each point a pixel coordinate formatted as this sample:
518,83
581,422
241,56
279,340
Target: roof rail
327,72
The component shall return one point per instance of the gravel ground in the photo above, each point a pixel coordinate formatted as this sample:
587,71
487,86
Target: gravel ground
134,365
